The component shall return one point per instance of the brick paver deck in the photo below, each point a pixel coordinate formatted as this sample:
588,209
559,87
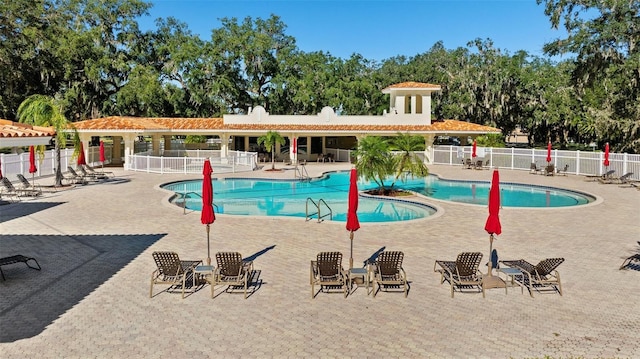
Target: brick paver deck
94,244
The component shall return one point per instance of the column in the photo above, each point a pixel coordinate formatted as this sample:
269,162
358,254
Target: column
129,149
116,152
224,148
167,142
428,149
155,144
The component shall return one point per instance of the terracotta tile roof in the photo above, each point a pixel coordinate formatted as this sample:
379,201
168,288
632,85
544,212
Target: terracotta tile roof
209,124
412,85
16,129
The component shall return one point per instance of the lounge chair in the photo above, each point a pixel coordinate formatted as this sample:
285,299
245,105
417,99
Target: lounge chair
327,272
74,177
101,174
231,271
478,165
624,179
563,171
171,270
463,273
549,170
28,188
9,190
605,176
90,176
533,169
18,259
543,274
630,261
466,163
320,158
388,272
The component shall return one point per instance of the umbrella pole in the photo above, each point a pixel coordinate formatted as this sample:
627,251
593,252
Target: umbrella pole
351,253
208,248
490,252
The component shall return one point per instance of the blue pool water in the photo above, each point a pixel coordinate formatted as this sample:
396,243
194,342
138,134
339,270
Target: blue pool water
289,198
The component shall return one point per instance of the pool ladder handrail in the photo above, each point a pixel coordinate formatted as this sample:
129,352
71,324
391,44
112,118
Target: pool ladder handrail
301,172
317,207
184,201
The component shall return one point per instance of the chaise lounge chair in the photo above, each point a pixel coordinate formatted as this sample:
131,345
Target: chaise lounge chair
533,169
9,190
624,179
604,176
27,187
327,272
74,177
549,170
101,174
231,271
388,272
543,274
463,273
630,261
18,259
171,270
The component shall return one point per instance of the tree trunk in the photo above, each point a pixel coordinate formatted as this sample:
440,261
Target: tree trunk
58,182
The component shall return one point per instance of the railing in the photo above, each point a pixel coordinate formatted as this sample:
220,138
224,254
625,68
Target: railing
579,162
190,161
301,172
184,196
318,209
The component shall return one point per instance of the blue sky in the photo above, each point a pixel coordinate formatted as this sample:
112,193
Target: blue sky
376,29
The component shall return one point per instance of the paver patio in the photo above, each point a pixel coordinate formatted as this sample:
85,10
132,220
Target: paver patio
94,244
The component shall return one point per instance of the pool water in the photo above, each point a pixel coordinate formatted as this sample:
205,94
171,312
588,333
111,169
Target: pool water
290,198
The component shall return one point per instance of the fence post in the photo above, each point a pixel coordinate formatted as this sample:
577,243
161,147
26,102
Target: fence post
184,165
577,162
625,163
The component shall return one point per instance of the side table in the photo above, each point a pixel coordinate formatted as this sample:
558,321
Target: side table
510,277
359,273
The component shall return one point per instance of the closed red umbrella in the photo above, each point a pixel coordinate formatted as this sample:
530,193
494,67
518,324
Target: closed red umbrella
81,160
207,216
352,212
473,153
606,155
102,157
32,163
295,145
493,227
548,152
0,167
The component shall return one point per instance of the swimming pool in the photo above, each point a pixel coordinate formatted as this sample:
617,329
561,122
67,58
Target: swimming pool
289,198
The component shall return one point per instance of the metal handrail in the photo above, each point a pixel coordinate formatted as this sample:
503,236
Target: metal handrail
184,202
317,207
301,172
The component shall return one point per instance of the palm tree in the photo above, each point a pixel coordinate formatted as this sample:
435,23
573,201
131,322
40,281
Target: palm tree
270,140
407,163
374,160
40,110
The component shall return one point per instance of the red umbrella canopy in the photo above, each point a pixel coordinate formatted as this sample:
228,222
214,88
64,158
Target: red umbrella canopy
295,145
32,160
352,213
473,154
606,155
0,167
549,152
81,160
493,221
207,216
102,157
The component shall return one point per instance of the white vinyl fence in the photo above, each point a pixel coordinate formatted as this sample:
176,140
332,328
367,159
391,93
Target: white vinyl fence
190,161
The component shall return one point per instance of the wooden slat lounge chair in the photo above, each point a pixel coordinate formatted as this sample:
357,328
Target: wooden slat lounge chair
327,272
171,270
388,272
231,271
549,170
533,169
463,273
18,259
27,187
543,274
